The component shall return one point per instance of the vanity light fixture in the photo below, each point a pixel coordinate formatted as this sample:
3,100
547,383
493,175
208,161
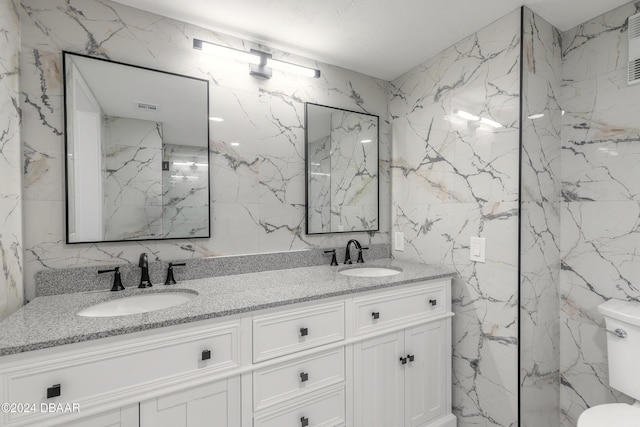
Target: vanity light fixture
536,116
365,141
216,119
261,63
235,144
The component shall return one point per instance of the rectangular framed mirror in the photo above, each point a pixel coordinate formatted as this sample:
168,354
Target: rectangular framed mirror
342,189
137,152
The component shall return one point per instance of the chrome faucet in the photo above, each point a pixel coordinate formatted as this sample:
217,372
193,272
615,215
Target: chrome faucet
347,255
144,276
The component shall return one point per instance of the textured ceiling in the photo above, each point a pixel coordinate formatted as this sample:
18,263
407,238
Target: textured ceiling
380,38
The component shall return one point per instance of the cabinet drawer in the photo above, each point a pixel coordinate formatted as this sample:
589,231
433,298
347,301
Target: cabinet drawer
294,330
322,409
88,377
394,308
286,381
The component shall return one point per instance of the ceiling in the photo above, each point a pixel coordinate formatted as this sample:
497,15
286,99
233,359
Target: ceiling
380,38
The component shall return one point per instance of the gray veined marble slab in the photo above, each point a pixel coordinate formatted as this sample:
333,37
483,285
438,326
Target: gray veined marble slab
52,320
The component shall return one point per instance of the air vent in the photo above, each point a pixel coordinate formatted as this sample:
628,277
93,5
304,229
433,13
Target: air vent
634,49
145,106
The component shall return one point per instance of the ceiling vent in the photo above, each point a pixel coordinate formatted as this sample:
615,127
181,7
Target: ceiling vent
634,49
145,106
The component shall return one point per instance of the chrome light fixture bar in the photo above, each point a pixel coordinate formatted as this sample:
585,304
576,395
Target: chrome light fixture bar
261,63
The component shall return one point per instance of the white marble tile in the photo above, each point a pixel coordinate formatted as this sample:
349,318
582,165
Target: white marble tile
11,201
599,257
485,56
584,370
597,46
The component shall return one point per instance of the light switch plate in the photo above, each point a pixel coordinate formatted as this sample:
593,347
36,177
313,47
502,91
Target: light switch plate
477,249
398,241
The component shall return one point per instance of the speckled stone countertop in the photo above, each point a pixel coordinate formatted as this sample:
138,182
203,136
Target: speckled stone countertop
50,321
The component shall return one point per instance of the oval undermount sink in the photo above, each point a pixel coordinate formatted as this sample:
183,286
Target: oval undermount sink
137,304
370,271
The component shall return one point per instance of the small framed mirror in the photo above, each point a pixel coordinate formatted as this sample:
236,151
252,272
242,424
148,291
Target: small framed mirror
137,152
342,188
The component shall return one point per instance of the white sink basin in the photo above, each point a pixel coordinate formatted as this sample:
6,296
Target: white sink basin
370,271
136,304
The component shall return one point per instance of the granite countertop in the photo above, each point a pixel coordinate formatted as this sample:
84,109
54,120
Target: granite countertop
50,321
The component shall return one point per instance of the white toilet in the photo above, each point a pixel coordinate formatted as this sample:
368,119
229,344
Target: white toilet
623,346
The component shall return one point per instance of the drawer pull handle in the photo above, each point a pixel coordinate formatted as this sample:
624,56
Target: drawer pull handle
304,376
304,332
403,360
53,391
304,421
206,354
433,302
411,357
375,315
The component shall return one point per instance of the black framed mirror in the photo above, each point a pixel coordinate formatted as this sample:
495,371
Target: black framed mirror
137,152
342,182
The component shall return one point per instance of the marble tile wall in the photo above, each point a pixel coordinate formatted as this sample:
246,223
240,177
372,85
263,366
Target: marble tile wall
132,177
454,177
600,207
11,237
257,187
540,223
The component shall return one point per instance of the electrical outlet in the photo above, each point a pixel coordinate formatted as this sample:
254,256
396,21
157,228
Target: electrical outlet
398,242
477,249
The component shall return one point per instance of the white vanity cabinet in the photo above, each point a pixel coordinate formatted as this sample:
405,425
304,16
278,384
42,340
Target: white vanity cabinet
403,377
380,358
210,405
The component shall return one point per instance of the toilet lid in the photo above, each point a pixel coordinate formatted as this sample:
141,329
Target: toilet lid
613,414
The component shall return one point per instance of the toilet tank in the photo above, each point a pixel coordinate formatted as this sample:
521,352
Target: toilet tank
623,318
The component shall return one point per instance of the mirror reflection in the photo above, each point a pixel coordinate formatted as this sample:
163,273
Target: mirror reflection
137,144
342,170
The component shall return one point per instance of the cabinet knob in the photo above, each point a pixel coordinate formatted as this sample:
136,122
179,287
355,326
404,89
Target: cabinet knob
53,391
304,332
304,376
411,357
403,360
206,354
433,302
375,315
304,421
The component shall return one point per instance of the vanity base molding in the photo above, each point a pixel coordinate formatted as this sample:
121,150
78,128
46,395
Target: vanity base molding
324,363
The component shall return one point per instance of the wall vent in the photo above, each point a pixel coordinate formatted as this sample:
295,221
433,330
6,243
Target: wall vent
145,106
634,49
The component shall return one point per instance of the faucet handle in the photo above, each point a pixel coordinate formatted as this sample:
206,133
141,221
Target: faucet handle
117,279
334,260
171,280
360,259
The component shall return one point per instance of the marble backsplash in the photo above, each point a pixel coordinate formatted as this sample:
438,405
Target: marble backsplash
11,202
257,183
453,178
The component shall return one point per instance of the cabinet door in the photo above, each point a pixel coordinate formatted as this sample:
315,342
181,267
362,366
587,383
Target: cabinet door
379,381
425,376
126,416
211,405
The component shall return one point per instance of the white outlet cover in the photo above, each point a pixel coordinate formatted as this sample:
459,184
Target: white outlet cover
398,241
477,249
